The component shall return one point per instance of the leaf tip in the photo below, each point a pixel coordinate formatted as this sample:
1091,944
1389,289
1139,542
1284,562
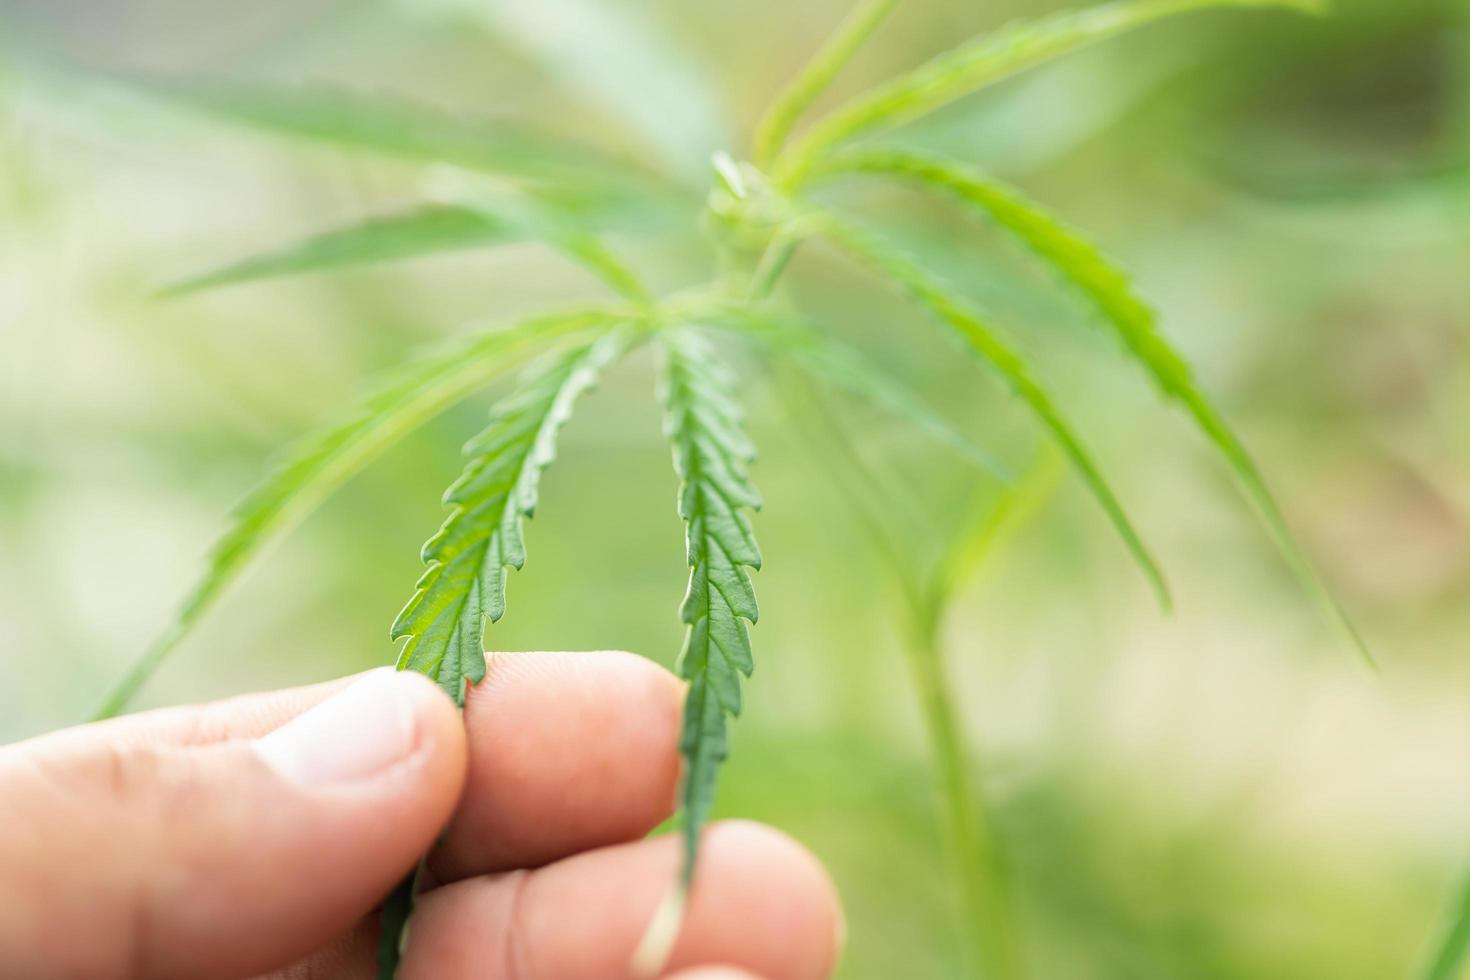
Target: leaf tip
653,951
171,290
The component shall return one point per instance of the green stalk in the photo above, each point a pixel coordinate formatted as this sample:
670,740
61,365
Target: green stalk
974,842
797,97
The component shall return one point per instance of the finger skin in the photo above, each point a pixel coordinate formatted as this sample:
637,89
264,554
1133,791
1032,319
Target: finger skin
760,903
713,973
139,862
241,717
568,752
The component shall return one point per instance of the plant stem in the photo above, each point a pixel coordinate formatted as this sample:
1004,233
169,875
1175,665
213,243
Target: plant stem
989,925
973,840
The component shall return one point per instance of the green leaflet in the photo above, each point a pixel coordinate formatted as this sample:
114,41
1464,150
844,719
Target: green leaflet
983,61
797,97
1453,947
536,217
836,363
480,220
992,522
324,461
388,126
410,234
468,558
620,57
711,451
982,339
1083,265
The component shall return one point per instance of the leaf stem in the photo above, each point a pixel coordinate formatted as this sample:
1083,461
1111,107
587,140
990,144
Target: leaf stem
773,263
803,90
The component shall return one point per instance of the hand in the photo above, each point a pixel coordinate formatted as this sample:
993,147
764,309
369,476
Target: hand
258,834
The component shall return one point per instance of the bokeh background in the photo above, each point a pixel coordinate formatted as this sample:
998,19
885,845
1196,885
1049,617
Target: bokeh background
1216,793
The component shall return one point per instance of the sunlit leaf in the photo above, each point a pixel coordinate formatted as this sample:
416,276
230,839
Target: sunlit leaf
830,59
614,54
388,125
985,60
833,362
411,234
710,456
481,540
322,462
978,336
1084,267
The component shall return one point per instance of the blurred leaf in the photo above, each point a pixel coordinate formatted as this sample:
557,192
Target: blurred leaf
324,461
469,556
410,234
615,54
710,456
392,127
1083,266
537,217
1450,953
830,360
983,340
992,522
983,61
824,66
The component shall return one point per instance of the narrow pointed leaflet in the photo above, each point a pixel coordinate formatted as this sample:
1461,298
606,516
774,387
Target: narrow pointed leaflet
324,460
482,538
980,337
1084,267
710,456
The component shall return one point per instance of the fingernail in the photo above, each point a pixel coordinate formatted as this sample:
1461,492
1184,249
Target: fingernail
355,733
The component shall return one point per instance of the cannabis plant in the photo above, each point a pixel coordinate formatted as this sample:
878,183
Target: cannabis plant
510,183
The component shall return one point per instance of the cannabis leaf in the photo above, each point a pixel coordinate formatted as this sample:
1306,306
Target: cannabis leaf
819,72
1084,267
703,423
423,231
322,462
482,219
618,56
983,61
482,538
836,363
391,127
971,328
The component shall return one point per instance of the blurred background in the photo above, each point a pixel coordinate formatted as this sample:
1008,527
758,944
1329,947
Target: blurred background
1217,793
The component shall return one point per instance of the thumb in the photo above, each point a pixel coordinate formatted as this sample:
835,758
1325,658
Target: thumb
127,861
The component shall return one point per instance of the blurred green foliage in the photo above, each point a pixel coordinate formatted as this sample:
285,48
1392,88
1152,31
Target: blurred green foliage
1216,794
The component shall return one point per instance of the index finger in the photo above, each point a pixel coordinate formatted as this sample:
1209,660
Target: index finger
567,752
